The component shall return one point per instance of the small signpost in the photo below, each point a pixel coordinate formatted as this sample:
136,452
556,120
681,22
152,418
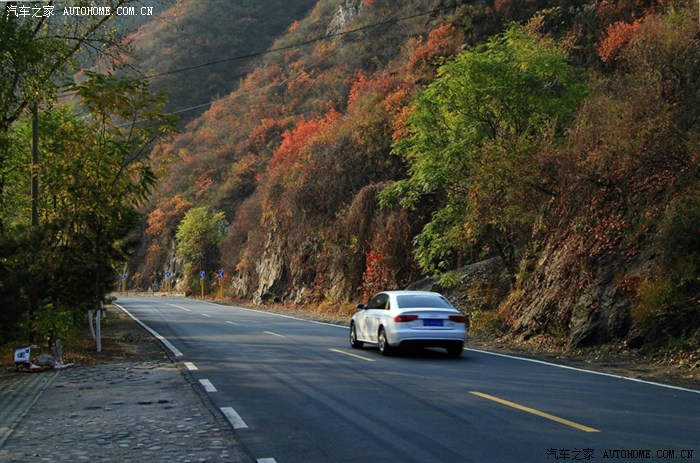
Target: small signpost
168,276
220,276
123,278
202,274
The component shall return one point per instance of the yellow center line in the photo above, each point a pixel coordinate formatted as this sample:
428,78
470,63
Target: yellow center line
535,412
273,334
367,359
232,323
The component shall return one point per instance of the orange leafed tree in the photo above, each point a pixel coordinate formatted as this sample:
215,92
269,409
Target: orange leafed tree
617,36
164,219
294,141
443,41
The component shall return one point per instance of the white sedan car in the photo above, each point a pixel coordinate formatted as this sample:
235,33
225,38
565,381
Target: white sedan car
403,318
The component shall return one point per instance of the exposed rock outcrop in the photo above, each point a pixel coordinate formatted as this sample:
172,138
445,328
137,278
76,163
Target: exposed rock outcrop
345,13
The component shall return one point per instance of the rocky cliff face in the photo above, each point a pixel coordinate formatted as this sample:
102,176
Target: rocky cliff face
582,302
345,13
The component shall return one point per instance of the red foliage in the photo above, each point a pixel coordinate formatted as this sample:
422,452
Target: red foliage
268,131
617,36
164,219
396,106
294,141
204,182
382,83
378,275
443,41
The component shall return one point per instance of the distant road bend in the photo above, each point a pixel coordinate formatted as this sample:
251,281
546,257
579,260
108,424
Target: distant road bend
295,391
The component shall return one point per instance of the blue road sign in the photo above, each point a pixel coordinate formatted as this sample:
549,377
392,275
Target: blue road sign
220,274
202,274
168,274
123,276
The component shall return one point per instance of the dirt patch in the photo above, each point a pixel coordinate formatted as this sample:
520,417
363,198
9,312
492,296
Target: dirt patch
122,340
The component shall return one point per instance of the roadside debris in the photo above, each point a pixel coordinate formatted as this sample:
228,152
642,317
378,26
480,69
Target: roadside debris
43,362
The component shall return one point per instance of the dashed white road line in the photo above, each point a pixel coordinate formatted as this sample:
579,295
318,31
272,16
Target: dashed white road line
274,334
232,323
208,386
366,359
191,366
206,315
179,307
275,314
234,418
266,460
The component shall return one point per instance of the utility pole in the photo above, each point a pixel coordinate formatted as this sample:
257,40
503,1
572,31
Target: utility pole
35,166
33,299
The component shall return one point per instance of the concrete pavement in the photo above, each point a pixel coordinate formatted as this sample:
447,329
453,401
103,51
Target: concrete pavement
145,411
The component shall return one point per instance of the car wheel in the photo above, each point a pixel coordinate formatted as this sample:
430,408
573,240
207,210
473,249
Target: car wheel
384,347
455,349
353,338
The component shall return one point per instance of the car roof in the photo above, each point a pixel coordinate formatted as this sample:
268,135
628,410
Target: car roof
406,292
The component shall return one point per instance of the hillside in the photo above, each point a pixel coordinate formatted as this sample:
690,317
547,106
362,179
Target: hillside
389,141
177,45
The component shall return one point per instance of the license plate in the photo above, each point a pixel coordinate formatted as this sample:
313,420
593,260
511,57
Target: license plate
432,322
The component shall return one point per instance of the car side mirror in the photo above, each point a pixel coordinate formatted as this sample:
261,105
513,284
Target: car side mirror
361,306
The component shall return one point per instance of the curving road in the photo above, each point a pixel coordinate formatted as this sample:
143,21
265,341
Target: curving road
296,392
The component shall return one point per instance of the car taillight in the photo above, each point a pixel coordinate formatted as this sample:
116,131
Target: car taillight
457,318
405,318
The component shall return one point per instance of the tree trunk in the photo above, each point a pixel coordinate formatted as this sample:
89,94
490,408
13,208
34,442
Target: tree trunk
98,338
91,323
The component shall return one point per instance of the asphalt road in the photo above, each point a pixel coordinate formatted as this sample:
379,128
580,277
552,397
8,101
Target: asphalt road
296,392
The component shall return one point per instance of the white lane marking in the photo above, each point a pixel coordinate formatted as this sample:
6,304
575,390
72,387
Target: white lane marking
651,383
208,386
367,359
234,418
179,307
232,323
191,366
600,373
273,334
167,343
266,460
206,315
275,314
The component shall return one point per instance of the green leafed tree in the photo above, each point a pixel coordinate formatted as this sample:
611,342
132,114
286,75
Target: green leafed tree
40,51
93,173
474,143
199,237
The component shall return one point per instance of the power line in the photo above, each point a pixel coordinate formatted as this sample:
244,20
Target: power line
294,45
286,47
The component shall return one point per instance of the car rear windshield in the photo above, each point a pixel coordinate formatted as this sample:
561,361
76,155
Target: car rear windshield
423,301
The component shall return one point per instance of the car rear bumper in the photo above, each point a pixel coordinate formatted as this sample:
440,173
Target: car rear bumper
426,338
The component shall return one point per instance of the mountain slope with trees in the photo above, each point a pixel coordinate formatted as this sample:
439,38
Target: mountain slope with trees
196,51
390,141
